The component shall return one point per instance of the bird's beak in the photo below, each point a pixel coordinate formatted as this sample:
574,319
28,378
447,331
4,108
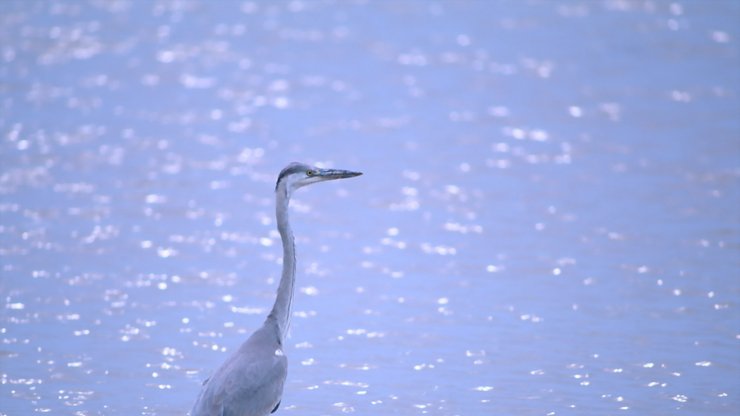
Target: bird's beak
329,174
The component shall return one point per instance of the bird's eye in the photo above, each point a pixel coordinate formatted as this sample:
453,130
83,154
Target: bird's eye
310,172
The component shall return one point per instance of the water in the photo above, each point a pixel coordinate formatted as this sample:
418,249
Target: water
548,221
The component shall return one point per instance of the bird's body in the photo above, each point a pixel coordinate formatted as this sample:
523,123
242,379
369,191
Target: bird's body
250,382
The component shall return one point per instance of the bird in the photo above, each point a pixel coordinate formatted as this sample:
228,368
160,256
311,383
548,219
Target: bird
250,382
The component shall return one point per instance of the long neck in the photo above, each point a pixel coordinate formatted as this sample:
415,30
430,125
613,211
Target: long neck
281,309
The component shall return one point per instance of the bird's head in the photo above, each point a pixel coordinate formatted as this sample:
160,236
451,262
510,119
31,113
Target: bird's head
297,175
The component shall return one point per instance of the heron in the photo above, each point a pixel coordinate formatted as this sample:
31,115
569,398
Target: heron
250,382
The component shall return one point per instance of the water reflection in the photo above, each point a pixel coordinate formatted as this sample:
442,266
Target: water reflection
543,228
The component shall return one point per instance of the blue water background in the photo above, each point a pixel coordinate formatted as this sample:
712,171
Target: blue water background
548,222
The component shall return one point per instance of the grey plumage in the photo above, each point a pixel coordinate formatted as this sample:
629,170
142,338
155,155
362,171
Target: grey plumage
250,382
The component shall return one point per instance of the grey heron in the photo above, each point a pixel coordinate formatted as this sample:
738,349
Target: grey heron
250,381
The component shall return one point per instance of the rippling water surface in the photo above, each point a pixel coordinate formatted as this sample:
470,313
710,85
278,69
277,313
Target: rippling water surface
548,222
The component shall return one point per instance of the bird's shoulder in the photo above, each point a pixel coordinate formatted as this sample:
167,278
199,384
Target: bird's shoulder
252,374
258,360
